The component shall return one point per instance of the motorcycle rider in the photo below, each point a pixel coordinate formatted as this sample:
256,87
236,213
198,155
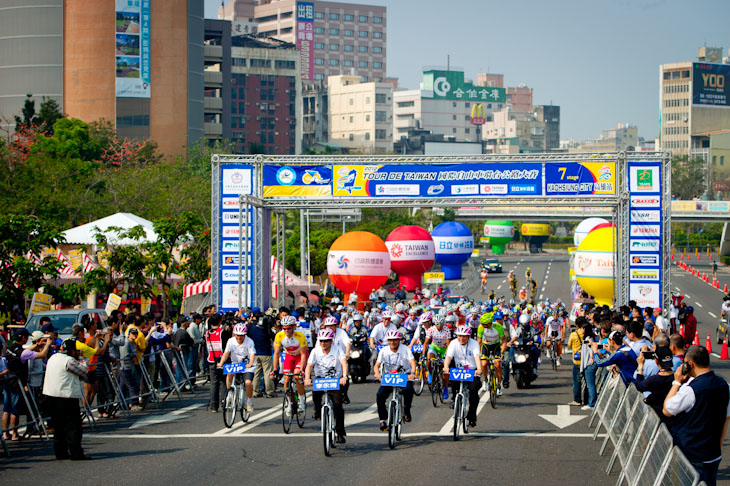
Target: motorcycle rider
526,333
359,334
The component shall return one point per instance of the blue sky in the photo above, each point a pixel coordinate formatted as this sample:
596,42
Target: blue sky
598,60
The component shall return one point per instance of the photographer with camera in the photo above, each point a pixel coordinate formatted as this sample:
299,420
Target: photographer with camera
621,355
659,383
698,401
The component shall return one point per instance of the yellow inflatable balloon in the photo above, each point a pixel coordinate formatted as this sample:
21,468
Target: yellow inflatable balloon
594,262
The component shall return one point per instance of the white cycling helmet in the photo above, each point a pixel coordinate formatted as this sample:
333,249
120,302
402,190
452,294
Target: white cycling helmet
438,320
393,334
463,331
451,318
288,321
329,321
400,307
240,329
387,314
395,320
524,319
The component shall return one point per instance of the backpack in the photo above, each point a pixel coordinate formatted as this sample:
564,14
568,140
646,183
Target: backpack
16,367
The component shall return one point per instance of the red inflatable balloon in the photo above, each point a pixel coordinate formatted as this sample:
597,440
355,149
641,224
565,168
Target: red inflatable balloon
412,252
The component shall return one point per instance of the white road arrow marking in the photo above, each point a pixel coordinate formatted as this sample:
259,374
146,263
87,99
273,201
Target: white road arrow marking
160,419
563,418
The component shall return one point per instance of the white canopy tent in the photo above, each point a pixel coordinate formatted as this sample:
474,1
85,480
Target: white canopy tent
85,234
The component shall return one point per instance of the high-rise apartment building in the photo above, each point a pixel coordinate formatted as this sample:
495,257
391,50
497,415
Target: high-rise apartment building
360,114
694,101
346,38
136,64
550,116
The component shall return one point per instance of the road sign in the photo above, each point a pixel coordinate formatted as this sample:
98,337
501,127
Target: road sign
433,277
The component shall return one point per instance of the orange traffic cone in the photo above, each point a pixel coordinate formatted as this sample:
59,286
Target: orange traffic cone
708,344
723,353
725,289
697,339
681,330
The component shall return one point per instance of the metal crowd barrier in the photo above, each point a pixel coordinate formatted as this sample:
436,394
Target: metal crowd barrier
641,443
32,412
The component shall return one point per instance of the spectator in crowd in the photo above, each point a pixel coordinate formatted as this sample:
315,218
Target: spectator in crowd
184,342
373,297
590,369
11,400
655,386
34,354
63,391
620,354
214,340
635,337
196,332
659,320
382,293
677,345
575,342
690,325
400,294
128,378
698,400
261,335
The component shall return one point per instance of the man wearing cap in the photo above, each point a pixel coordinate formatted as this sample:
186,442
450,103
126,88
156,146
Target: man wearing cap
128,379
63,391
659,320
185,343
656,386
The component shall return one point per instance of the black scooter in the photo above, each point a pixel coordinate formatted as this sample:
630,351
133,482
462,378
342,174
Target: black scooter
521,363
359,359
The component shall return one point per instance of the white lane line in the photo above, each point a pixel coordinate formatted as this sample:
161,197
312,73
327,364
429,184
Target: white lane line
353,434
499,287
698,304
540,298
716,355
712,315
256,418
687,296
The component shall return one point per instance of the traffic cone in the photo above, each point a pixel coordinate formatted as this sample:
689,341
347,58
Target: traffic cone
723,353
681,330
697,339
725,289
708,344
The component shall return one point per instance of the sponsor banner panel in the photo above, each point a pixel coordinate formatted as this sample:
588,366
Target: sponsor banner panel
644,259
646,201
297,181
646,231
646,215
362,263
453,244
411,250
646,294
644,274
305,39
580,178
644,179
710,84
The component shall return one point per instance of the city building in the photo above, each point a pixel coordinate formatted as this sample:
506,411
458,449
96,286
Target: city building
624,137
315,115
510,132
694,102
550,116
253,91
137,64
443,105
360,114
338,38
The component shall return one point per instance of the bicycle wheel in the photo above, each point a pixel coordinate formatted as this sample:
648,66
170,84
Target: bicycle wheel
457,415
229,407
300,413
326,436
493,388
464,405
420,380
286,413
392,432
241,402
436,390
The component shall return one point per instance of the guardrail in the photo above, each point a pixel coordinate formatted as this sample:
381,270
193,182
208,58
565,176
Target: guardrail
641,443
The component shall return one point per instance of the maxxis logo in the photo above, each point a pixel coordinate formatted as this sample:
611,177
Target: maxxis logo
441,86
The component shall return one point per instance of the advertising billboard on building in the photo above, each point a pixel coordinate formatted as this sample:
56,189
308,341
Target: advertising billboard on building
450,85
305,37
132,46
710,84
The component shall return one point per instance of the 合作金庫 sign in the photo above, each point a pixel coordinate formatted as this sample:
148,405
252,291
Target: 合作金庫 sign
450,85
580,178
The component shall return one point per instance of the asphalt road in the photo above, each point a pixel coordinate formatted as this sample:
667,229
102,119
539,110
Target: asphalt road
181,443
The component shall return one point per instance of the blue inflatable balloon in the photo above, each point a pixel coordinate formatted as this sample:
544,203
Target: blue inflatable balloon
454,244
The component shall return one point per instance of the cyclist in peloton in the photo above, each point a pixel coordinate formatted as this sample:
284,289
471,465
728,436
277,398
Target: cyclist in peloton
396,358
295,357
241,350
555,330
342,343
463,352
484,276
438,338
513,284
528,275
327,361
491,339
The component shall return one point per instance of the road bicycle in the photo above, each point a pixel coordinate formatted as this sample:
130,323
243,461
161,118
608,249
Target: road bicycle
395,405
492,381
421,370
291,407
553,350
461,400
235,395
437,381
327,412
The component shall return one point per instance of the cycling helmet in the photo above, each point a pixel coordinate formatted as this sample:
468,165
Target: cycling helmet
438,320
463,331
288,321
325,335
387,314
474,309
412,310
427,316
240,329
498,315
357,317
400,308
393,334
486,319
690,308
395,320
536,317
451,318
524,319
330,321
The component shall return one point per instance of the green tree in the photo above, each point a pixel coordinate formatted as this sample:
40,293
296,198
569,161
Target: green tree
172,232
21,273
195,265
125,264
688,177
44,120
